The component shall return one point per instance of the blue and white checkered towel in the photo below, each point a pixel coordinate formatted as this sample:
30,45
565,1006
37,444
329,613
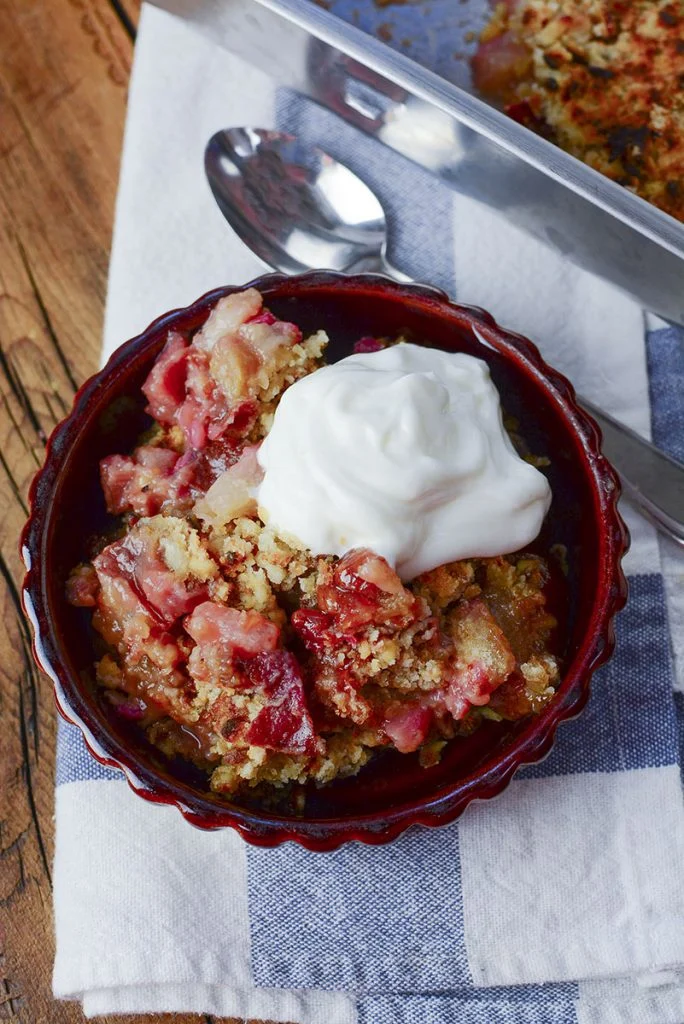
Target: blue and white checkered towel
560,903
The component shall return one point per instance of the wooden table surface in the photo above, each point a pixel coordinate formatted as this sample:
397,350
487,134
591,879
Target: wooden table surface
64,67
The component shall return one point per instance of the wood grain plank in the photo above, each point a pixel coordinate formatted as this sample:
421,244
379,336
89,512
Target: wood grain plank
127,14
64,70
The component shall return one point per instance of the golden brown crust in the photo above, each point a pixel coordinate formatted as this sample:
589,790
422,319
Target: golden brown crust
603,79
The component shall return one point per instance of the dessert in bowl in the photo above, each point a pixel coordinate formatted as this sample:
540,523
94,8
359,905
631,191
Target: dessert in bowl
323,602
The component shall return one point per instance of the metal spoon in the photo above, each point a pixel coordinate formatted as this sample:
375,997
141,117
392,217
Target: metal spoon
299,209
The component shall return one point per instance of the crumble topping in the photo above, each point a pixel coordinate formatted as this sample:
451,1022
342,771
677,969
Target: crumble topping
602,79
233,647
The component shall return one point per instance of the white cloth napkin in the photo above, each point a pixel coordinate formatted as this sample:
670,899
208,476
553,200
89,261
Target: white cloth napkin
152,915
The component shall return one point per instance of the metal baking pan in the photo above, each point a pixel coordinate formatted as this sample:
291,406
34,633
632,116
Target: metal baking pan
440,125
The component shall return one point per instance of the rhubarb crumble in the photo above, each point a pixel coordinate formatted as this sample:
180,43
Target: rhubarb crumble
602,79
237,649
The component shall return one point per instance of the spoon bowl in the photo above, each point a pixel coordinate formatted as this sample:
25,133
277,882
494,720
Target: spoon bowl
294,205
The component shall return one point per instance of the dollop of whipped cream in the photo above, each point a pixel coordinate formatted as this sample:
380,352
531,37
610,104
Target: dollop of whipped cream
402,451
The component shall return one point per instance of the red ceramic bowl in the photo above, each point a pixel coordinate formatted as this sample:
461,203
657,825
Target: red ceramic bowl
392,792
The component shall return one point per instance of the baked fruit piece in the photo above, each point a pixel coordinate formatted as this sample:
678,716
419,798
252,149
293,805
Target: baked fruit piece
234,648
603,79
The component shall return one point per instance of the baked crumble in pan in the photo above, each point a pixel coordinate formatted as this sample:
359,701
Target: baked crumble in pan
603,79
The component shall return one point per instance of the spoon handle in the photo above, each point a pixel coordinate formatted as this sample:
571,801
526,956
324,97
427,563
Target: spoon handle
391,271
652,481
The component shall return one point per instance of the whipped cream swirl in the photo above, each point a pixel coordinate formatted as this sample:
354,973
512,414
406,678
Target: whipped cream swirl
402,451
